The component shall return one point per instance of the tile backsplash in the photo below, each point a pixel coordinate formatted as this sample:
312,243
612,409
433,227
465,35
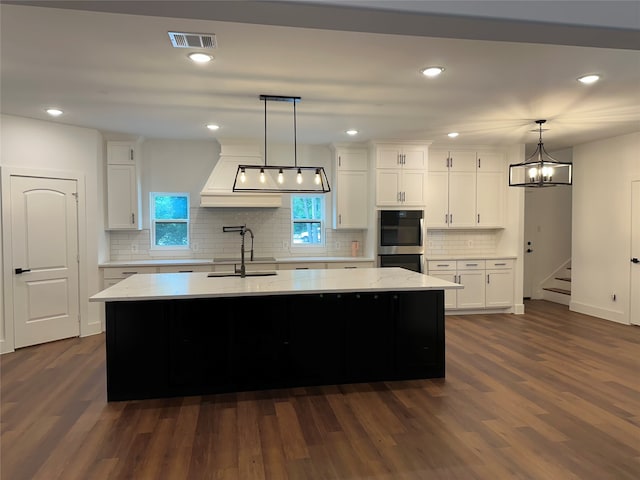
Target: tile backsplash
461,242
271,229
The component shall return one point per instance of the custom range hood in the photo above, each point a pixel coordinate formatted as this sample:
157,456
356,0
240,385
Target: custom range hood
218,190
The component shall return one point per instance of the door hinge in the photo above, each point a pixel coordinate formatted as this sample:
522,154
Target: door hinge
75,194
78,257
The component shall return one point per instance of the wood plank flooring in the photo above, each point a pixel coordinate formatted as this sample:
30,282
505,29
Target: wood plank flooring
551,394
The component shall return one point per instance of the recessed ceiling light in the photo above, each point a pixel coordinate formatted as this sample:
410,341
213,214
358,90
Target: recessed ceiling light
54,112
432,71
453,134
200,57
589,79
213,126
352,132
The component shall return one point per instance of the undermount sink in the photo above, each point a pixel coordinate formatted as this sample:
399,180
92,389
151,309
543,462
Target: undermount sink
246,259
258,273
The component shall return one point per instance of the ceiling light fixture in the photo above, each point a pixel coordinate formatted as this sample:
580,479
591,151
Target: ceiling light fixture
54,112
540,169
589,79
452,134
279,178
213,126
432,71
200,57
352,132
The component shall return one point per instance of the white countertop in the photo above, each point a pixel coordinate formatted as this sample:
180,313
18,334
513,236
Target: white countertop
159,262
166,286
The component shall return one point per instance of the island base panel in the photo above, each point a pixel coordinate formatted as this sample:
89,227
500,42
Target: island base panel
165,348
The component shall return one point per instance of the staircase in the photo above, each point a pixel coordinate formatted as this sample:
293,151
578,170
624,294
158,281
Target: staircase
557,287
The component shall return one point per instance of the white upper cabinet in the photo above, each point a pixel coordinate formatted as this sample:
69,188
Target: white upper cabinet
350,188
121,153
123,187
465,189
401,174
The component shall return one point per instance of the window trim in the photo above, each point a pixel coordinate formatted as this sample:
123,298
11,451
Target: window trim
153,221
322,221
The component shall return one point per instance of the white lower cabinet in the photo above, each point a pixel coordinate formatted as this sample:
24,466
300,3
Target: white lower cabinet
487,283
471,276
499,287
112,275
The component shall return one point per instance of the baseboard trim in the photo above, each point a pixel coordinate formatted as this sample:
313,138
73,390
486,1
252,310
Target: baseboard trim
592,310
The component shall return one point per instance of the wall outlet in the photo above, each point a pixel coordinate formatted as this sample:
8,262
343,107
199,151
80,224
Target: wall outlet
134,247
285,244
469,243
195,247
337,245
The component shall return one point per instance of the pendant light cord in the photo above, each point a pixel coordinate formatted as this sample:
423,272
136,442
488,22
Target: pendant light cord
265,132
295,136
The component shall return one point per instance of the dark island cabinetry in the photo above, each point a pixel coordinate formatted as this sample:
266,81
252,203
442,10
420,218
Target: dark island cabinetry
162,348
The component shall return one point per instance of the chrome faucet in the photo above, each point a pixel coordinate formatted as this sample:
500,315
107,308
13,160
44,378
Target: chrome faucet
242,229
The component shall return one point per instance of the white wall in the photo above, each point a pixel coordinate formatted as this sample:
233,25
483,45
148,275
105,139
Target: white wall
39,147
548,227
601,245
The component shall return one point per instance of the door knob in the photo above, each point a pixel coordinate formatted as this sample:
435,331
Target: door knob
529,250
22,270
635,260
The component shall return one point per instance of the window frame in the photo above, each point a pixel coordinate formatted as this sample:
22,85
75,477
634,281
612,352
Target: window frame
322,221
153,221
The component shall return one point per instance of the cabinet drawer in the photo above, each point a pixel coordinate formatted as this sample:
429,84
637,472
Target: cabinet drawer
470,264
349,265
124,272
301,266
441,265
184,269
497,264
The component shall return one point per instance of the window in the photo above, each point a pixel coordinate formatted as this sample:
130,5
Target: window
169,220
307,216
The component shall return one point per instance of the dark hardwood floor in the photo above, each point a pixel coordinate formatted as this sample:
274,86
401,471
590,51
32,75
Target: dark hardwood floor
548,395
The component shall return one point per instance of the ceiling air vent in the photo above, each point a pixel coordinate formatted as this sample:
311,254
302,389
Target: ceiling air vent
192,40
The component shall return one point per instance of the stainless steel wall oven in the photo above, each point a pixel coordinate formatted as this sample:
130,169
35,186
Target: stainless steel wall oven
401,239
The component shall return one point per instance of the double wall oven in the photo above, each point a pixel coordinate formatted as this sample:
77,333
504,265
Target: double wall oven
401,239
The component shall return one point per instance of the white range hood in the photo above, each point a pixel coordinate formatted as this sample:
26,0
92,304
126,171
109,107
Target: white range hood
217,191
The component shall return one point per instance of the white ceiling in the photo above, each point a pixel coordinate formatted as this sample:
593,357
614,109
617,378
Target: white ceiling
352,66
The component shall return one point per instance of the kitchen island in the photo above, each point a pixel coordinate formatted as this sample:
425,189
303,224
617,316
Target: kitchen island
172,334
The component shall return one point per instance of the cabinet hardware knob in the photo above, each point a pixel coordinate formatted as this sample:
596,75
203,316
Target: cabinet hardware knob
635,260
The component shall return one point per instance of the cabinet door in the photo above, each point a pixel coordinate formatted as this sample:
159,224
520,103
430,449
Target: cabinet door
369,334
121,153
351,200
462,161
437,199
414,157
491,162
450,296
473,293
420,334
499,289
413,187
462,199
352,160
122,198
260,343
388,156
490,199
438,161
199,348
387,187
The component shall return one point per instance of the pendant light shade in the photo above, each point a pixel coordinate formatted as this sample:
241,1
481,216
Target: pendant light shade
281,178
540,169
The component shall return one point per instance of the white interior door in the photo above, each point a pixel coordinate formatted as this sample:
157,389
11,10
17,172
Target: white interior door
635,253
44,237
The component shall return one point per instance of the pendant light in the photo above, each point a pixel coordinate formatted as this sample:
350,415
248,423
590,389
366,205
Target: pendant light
280,178
540,169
